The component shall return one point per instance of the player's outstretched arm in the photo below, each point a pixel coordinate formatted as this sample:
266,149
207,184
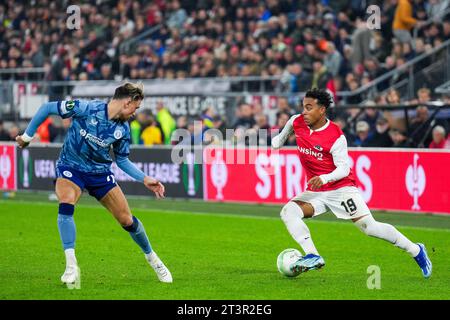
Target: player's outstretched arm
279,140
129,168
44,111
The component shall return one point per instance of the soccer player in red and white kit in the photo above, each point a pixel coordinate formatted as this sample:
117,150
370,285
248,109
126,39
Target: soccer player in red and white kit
324,157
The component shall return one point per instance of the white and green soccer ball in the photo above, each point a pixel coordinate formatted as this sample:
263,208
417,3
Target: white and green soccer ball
285,259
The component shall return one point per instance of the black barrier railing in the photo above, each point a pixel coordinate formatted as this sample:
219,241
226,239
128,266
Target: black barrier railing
438,108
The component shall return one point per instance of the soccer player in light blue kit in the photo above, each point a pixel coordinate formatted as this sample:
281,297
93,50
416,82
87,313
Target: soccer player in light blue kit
85,163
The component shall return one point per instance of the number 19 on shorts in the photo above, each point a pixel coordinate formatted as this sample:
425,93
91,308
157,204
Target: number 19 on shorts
349,206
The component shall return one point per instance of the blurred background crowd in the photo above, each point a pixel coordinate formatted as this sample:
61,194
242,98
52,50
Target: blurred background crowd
325,44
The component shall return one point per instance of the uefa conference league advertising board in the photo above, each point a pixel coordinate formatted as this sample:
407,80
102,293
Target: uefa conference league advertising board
36,171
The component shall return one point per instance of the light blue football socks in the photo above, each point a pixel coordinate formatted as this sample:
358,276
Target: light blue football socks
66,225
137,232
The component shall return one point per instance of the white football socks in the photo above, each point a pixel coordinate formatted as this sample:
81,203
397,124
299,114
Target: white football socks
292,216
71,260
385,231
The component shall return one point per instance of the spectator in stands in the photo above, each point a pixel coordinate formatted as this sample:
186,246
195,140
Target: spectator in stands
320,75
281,122
283,106
105,72
138,125
371,115
282,119
404,21
262,124
345,129
355,98
363,135
4,135
56,92
393,97
423,95
195,127
361,39
207,117
436,8
399,138
419,128
381,137
177,16
303,78
446,28
439,140
245,117
182,122
166,120
152,134
333,59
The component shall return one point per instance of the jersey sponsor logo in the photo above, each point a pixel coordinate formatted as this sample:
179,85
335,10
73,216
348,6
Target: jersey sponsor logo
67,173
93,139
93,122
118,134
311,152
318,147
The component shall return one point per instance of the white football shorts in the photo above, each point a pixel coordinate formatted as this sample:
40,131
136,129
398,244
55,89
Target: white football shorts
345,203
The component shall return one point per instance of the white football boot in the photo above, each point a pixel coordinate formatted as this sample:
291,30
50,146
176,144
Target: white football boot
161,270
72,277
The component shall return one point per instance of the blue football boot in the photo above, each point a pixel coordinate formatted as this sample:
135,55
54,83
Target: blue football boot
308,262
423,261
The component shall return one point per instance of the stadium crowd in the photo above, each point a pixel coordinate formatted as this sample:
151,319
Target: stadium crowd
306,43
310,43
368,127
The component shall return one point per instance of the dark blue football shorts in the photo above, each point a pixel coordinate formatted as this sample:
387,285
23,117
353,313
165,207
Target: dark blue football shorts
97,184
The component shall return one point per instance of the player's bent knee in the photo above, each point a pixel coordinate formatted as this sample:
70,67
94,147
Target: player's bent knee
125,220
291,209
367,225
67,196
132,226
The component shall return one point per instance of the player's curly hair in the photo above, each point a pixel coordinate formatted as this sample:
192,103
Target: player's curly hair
135,91
322,96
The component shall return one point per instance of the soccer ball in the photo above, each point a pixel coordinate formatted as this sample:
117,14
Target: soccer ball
285,259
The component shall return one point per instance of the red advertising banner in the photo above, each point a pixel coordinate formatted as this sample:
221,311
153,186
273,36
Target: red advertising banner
403,180
8,167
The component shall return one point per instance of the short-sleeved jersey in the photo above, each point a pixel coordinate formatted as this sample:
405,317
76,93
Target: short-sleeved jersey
315,148
91,136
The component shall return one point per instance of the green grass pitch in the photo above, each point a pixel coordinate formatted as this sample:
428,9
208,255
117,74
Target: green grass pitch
214,251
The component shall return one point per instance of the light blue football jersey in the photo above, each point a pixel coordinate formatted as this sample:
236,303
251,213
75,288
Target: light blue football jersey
91,136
